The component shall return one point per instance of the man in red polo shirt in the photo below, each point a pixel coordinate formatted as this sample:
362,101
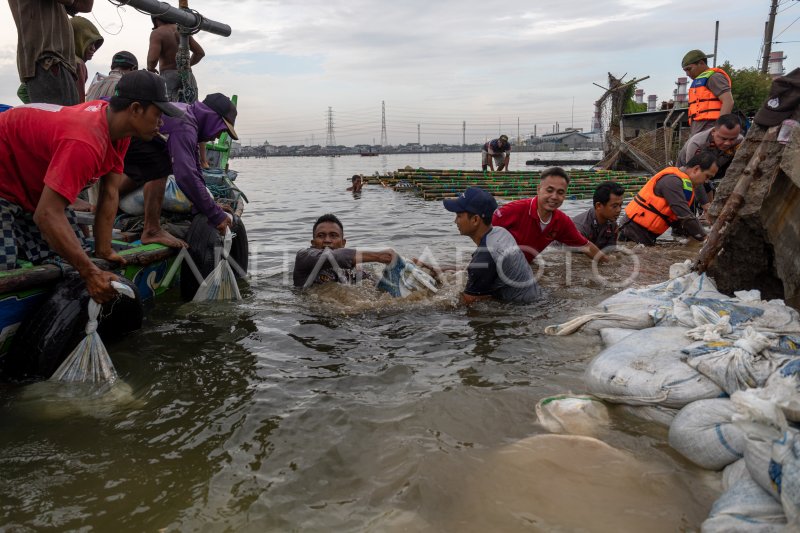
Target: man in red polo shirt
536,222
48,153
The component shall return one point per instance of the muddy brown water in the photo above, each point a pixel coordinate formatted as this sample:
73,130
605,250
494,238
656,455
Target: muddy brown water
344,410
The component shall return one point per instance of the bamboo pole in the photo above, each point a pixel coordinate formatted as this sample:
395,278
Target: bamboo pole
734,203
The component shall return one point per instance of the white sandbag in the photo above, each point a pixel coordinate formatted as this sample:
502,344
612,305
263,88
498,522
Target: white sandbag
732,473
640,308
704,433
736,365
657,414
612,336
747,508
646,368
573,414
762,422
757,455
783,388
786,453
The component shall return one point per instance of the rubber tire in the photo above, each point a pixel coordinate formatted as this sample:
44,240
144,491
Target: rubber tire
48,336
202,239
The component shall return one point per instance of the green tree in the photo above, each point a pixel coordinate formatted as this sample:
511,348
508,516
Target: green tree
750,87
629,104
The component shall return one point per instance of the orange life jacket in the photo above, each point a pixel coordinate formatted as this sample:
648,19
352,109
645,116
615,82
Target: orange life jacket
703,104
651,211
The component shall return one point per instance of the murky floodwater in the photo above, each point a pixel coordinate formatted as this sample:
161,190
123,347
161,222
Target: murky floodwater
339,410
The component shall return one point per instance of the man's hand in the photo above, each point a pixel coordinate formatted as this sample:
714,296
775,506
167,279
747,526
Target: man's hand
227,222
98,284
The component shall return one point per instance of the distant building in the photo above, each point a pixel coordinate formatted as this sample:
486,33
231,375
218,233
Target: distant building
565,140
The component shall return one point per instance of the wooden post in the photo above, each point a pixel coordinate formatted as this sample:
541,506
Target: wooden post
735,201
183,4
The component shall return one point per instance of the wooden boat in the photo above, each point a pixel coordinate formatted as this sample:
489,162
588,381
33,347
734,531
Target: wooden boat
151,268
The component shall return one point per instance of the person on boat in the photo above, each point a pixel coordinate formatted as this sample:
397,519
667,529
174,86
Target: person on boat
162,59
357,182
328,259
122,63
498,269
496,152
87,42
710,93
49,153
599,222
723,140
148,163
538,221
46,49
664,201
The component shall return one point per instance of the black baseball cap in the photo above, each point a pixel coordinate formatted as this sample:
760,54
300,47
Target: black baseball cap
124,59
149,87
223,106
783,101
474,200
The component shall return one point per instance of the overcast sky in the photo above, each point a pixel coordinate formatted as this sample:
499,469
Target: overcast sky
436,64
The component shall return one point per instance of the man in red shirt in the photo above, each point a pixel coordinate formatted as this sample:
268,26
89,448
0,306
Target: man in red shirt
536,222
48,153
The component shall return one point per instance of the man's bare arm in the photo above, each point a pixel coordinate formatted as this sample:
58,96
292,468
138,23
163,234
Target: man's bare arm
197,52
382,256
154,51
107,204
51,220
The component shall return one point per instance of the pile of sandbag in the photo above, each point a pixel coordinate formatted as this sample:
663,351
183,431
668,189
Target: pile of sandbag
722,373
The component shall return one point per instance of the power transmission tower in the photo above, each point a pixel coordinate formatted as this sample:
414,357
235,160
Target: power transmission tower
330,139
384,140
464,133
768,36
418,135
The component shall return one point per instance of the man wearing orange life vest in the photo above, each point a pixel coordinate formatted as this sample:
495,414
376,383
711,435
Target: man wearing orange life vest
710,93
664,202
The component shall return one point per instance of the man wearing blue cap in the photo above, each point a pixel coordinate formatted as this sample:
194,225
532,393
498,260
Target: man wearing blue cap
498,268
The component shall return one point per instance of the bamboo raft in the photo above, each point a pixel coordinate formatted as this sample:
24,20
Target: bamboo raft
436,184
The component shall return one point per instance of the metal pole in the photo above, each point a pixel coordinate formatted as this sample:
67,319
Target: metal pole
768,36
187,19
716,40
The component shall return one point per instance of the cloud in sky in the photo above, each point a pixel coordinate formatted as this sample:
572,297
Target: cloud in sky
436,64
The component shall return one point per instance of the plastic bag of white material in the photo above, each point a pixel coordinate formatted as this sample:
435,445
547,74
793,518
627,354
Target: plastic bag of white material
175,200
773,316
220,284
745,363
704,433
573,414
745,507
89,362
646,368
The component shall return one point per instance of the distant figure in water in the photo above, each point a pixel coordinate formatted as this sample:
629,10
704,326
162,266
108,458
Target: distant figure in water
599,222
496,152
357,182
328,260
498,268
665,201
